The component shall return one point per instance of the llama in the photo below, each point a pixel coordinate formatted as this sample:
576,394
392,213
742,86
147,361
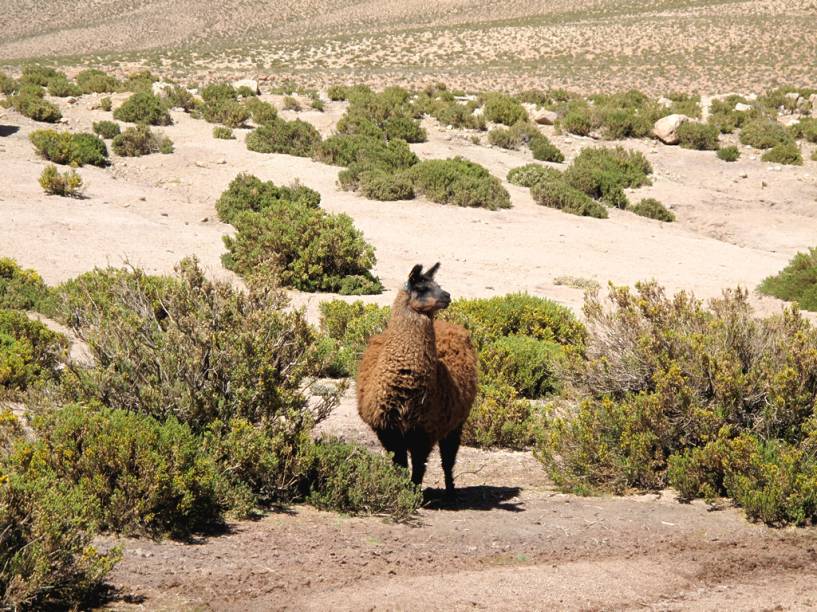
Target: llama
418,379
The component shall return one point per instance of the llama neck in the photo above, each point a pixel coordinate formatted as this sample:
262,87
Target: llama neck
411,336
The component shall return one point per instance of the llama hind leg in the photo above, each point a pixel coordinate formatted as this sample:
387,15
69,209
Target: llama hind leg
395,443
420,446
449,446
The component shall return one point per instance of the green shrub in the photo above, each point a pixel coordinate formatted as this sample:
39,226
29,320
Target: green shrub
365,153
31,104
245,91
142,475
653,209
699,136
501,108
629,114
524,362
688,105
558,194
577,121
106,129
797,282
30,353
140,81
764,134
188,347
814,155
726,119
289,137
227,111
143,107
261,112
500,418
663,377
516,314
728,154
388,115
21,288
805,128
61,87
349,478
96,81
68,183
105,104
291,104
344,92
459,182
788,153
180,97
8,85
448,111
37,74
223,133
141,140
249,193
530,174
47,559
311,249
218,91
602,173
67,148
385,186
346,328
503,138
544,150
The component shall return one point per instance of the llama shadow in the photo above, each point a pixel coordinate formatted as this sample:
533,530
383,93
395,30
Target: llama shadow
483,497
8,130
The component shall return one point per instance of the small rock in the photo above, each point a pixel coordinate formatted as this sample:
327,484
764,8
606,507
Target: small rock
542,116
63,120
789,120
221,161
204,219
742,108
775,169
159,87
200,164
744,175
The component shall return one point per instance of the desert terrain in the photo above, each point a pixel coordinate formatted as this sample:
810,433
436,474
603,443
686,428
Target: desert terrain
511,540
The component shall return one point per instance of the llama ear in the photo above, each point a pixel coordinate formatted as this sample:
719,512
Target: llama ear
433,270
415,274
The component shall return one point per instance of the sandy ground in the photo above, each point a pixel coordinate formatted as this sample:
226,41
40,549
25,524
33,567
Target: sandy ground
510,541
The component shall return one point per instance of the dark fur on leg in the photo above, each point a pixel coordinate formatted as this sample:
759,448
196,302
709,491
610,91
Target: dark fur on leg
395,442
449,446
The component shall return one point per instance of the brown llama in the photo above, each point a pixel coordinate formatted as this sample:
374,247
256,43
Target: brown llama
418,379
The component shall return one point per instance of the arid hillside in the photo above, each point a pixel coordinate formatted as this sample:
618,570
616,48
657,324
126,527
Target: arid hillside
704,45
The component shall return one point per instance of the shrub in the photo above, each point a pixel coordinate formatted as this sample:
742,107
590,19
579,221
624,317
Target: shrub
386,115
382,185
67,148
21,288
249,193
544,150
630,114
516,314
180,97
7,84
653,209
764,134
797,282
728,154
686,104
261,112
788,153
344,92
665,377
501,108
140,81
245,91
105,104
106,129
531,174
223,133
602,173
525,363
46,555
289,137
726,119
500,418
349,478
365,152
61,87
346,329
37,74
310,248
460,182
190,348
558,194
31,104
143,107
699,136
806,129
96,81
442,105
503,138
218,91
30,353
68,183
141,140
577,120
814,155
227,111
291,104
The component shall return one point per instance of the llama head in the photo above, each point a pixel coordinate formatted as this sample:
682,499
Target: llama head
424,294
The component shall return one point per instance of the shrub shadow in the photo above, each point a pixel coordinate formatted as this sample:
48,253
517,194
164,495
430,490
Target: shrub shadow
8,130
483,497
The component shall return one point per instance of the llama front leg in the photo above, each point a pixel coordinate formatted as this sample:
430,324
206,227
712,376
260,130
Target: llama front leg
395,443
420,446
449,446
